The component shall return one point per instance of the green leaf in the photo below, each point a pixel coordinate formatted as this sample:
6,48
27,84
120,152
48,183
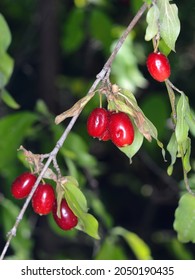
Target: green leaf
182,128
190,118
184,223
88,224
132,149
152,19
78,204
6,68
5,38
42,109
100,28
172,148
164,48
138,246
186,160
75,198
9,100
13,129
111,250
149,2
127,61
73,31
169,22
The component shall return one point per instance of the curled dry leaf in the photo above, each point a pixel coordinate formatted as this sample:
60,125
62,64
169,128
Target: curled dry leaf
125,101
129,106
35,160
75,109
49,174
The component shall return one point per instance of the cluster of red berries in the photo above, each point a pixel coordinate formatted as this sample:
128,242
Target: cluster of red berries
43,200
110,125
117,126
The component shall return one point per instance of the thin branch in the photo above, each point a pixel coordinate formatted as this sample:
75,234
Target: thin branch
52,156
121,41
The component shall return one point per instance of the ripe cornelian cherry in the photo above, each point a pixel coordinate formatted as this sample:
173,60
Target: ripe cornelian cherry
121,129
158,66
97,123
22,185
43,199
105,136
68,220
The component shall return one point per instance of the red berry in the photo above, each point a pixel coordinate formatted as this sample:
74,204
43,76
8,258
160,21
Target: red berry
22,185
68,219
121,129
43,199
97,122
105,136
158,66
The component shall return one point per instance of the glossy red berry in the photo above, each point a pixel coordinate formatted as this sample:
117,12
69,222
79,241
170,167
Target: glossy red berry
121,129
43,199
68,220
158,66
105,136
97,122
22,185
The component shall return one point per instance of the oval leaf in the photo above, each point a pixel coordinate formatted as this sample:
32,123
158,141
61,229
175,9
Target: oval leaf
190,118
169,22
132,149
139,247
186,160
75,199
78,204
152,19
184,223
182,128
9,100
88,224
6,68
172,148
5,38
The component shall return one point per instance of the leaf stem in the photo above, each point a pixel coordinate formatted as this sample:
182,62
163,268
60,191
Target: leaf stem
124,36
172,102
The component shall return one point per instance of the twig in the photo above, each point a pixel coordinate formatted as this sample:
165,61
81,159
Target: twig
122,39
52,156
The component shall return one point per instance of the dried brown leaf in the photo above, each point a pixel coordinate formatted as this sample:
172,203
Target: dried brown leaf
75,109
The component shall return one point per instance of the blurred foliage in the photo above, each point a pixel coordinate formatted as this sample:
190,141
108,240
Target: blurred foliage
135,203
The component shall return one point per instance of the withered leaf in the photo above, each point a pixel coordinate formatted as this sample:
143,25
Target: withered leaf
126,102
75,109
